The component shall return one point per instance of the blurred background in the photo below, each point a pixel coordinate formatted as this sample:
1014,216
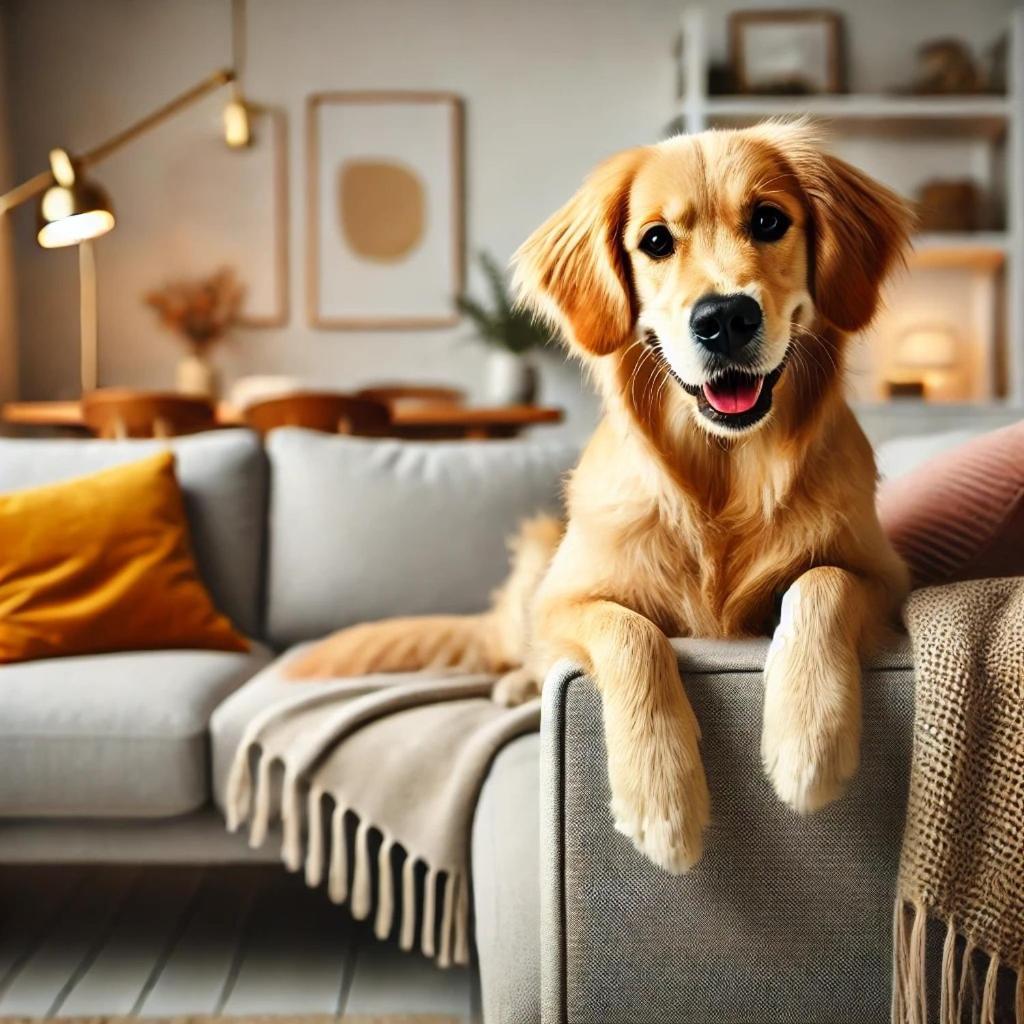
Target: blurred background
389,143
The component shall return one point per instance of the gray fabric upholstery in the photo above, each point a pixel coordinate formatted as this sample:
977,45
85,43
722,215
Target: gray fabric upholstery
363,529
195,838
785,919
505,858
112,735
223,477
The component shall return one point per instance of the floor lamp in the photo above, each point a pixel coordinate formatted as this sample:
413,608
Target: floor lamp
75,211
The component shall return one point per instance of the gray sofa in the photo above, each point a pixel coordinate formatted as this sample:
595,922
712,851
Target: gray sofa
121,757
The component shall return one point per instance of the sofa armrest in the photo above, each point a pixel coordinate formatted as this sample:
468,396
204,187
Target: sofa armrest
785,918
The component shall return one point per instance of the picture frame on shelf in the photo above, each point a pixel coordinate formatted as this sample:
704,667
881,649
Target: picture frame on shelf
385,210
787,52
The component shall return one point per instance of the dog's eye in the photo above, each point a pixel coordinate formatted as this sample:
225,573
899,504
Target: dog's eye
768,223
658,242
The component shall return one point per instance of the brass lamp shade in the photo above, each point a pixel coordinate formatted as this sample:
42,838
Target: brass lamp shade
73,213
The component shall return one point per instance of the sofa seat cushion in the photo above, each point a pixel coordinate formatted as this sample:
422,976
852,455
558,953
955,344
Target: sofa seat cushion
113,735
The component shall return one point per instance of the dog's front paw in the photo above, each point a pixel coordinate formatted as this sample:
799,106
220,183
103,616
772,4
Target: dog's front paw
673,840
660,798
810,739
808,771
515,688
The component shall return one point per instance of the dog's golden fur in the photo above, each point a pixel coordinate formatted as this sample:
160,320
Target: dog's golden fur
677,525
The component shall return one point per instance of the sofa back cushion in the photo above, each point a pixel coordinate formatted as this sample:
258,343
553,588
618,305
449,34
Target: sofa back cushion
103,563
366,529
223,478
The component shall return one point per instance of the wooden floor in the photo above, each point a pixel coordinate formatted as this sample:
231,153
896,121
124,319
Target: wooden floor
159,942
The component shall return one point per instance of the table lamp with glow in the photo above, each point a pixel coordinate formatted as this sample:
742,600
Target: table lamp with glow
924,358
75,211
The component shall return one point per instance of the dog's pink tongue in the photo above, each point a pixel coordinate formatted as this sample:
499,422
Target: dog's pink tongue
734,396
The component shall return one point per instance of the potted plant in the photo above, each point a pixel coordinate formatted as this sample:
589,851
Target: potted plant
200,311
512,334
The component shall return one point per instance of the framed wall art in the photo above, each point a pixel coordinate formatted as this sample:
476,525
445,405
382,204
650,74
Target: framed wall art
384,218
786,52
237,211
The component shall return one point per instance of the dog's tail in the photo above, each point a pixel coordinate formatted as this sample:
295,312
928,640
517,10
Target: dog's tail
494,641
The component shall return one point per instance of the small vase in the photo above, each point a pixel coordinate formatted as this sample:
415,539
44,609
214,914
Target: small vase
511,378
195,376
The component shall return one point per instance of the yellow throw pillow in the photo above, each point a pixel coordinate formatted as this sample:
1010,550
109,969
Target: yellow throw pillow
103,563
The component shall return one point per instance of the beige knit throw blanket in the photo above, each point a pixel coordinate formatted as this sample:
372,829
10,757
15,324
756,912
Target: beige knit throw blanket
962,861
379,770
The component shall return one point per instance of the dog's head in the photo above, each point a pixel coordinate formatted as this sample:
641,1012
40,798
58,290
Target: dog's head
728,261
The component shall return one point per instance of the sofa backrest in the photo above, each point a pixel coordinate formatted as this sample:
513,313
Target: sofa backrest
365,529
887,421
223,477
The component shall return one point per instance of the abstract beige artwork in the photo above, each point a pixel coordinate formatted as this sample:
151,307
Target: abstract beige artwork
385,209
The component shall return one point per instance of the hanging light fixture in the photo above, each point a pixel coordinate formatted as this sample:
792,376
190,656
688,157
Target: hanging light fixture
237,130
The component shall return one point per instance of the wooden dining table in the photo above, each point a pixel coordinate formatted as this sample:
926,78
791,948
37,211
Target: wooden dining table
414,420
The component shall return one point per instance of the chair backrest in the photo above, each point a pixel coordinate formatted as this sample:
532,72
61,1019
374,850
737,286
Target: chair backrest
329,412
120,413
412,394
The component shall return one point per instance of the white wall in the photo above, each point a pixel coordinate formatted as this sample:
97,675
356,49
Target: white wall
550,87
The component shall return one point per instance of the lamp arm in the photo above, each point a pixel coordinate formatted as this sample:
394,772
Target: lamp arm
41,181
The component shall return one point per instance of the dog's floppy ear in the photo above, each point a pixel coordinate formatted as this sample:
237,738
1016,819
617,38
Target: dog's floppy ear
860,230
573,270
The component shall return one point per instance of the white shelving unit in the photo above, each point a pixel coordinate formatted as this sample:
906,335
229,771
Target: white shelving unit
994,258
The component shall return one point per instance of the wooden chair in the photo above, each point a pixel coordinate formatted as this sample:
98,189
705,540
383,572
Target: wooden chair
329,412
120,413
412,394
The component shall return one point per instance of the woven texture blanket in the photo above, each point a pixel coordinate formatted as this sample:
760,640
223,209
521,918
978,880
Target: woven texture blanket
962,861
375,786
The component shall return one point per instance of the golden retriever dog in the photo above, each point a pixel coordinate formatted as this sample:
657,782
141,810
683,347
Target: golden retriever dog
708,283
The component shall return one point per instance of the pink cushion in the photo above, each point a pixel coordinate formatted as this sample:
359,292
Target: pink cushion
961,514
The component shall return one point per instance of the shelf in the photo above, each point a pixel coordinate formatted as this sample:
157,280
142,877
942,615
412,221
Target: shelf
976,250
924,115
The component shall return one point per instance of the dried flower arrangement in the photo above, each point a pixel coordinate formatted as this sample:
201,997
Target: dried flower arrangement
201,311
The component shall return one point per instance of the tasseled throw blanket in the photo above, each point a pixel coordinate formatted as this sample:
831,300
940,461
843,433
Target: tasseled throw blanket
963,848
363,770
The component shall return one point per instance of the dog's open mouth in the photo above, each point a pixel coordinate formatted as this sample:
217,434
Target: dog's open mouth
732,393
736,398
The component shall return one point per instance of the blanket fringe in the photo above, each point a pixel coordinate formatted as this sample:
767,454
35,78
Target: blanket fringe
385,891
429,913
443,932
360,902
337,877
948,1009
408,933
315,838
958,985
988,998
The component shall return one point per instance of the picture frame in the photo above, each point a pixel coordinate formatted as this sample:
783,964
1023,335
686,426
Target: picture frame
221,187
787,52
385,247
274,120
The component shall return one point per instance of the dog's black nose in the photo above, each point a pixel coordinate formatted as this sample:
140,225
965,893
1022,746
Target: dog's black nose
725,323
